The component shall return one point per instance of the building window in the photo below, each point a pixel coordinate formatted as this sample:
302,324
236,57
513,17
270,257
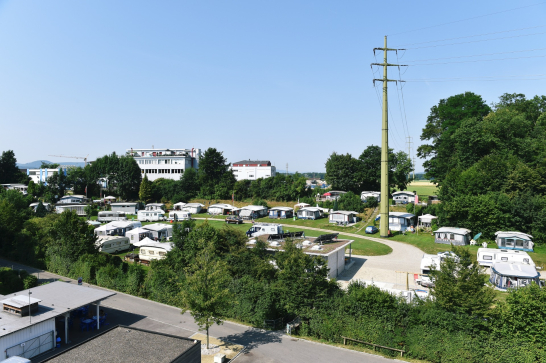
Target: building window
487,258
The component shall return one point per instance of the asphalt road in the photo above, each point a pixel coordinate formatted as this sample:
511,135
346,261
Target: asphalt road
262,346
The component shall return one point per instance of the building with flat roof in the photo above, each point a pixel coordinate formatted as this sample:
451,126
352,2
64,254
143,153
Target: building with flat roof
128,344
27,336
40,175
253,169
165,163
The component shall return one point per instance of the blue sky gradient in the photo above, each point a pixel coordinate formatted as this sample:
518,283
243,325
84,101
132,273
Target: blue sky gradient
288,81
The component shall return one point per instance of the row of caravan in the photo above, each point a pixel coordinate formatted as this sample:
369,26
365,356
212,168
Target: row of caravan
148,249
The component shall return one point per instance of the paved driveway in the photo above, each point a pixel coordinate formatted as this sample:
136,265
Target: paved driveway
262,346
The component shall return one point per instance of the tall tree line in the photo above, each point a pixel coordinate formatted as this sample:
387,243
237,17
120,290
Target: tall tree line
489,163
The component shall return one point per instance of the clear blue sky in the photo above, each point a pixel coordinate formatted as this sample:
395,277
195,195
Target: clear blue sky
288,81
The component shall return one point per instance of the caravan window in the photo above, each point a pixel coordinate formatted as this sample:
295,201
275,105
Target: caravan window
143,251
150,252
509,242
162,253
519,243
504,258
452,236
487,257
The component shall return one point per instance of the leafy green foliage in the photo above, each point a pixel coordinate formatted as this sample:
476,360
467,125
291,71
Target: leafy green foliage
9,172
205,291
216,179
145,192
460,285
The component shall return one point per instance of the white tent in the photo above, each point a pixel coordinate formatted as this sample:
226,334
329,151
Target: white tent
110,198
301,205
426,220
145,241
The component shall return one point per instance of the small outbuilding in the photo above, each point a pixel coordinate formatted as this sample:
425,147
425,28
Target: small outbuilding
343,217
403,197
452,235
281,212
514,241
505,275
178,206
310,213
127,207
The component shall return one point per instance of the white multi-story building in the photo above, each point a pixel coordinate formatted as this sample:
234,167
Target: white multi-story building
41,175
165,163
253,169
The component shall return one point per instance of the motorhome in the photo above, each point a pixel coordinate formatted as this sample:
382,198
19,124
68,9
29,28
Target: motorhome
259,229
109,216
514,241
113,244
489,256
403,197
177,215
151,215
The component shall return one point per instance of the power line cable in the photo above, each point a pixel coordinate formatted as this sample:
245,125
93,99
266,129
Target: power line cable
470,79
472,36
475,55
478,41
403,102
472,18
478,60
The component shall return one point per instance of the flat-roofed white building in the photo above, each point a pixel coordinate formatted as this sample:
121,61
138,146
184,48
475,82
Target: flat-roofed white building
253,169
40,175
28,337
165,163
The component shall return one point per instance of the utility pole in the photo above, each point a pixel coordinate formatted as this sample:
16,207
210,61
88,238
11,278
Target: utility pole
384,211
286,168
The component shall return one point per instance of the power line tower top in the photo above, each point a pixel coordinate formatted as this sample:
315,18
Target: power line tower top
384,211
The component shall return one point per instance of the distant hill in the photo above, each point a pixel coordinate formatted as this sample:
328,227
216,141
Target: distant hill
36,164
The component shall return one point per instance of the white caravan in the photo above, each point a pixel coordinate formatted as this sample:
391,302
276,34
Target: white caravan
151,215
177,215
259,229
113,244
109,216
490,256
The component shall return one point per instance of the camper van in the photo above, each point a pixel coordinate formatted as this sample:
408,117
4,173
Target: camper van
259,229
108,216
489,256
151,215
177,215
113,244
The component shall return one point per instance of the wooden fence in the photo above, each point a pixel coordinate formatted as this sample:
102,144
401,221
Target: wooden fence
374,345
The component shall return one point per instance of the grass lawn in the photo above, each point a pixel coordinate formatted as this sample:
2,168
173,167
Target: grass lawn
422,187
360,246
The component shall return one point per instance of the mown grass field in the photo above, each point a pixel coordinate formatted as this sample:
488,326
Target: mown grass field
423,187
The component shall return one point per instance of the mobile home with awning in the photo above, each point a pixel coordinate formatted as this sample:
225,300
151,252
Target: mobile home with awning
452,235
505,275
343,216
220,209
281,212
514,241
310,213
253,212
400,221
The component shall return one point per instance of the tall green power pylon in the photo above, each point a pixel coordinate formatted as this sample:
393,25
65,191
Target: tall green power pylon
384,211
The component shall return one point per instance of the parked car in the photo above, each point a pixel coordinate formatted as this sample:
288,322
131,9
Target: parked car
234,219
371,230
425,281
